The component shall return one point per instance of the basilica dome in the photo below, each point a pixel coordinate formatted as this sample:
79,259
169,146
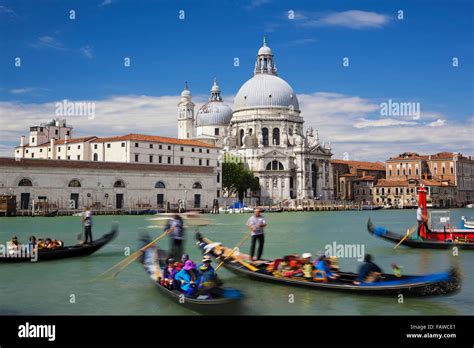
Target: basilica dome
265,88
215,111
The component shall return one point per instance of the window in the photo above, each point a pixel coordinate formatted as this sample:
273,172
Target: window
26,151
96,157
49,149
25,182
276,136
169,147
69,148
197,185
68,133
444,170
216,131
41,150
398,172
33,139
151,158
200,150
78,157
218,193
95,146
275,165
119,183
160,147
68,157
208,151
181,160
416,171
136,157
182,148
160,184
207,162
242,132
151,146
78,147
192,149
169,160
452,170
409,171
74,183
123,144
136,144
108,146
265,136
200,162
218,177
160,159
56,132
389,172
59,157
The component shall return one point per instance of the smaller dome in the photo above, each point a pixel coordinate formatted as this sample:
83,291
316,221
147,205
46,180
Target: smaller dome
265,50
214,113
186,93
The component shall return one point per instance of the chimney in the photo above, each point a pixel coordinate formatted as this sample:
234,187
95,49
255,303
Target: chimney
66,138
22,140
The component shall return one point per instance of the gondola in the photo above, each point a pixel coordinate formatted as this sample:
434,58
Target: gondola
227,303
409,285
61,252
384,233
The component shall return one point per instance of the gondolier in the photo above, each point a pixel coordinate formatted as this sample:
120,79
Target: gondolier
257,223
177,237
422,221
87,222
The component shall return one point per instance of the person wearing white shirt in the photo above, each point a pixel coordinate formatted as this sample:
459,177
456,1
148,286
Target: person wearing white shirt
257,223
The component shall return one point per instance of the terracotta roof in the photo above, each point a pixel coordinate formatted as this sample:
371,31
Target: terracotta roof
367,178
62,141
153,139
348,175
44,163
75,140
391,183
361,164
428,182
409,156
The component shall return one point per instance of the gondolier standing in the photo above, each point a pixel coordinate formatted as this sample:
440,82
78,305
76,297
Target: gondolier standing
177,237
422,221
257,223
87,222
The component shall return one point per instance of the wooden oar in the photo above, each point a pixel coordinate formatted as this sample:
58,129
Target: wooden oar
409,232
234,250
119,267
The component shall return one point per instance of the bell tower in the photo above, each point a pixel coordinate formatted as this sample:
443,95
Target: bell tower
186,114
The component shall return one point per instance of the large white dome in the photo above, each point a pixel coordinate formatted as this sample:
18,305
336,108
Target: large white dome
265,90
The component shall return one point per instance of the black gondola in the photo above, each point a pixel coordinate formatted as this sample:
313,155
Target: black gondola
225,303
383,233
61,252
409,285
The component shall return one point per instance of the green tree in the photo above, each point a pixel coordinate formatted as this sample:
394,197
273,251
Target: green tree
237,179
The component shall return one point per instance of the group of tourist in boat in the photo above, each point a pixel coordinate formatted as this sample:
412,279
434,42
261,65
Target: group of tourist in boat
13,245
190,278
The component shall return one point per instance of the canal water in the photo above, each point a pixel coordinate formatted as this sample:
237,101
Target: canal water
49,287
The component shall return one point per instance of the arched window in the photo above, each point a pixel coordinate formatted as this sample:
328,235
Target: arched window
275,165
197,185
96,157
25,182
276,136
160,184
265,136
119,183
241,136
74,183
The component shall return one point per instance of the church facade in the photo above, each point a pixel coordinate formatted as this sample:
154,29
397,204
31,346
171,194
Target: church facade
265,130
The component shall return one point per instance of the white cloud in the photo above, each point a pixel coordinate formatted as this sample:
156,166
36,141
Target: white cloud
7,11
47,41
256,3
354,19
105,3
337,117
87,51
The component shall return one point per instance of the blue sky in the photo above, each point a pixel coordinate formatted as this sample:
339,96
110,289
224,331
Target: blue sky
82,59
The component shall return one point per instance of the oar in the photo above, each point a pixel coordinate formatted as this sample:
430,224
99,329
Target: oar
409,232
129,259
234,250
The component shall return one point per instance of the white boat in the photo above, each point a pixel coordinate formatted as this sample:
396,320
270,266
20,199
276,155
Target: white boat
470,206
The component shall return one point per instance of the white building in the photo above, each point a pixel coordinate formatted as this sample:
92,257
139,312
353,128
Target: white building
266,131
70,185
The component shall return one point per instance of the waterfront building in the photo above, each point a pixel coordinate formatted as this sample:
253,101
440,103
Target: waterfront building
442,171
354,180
108,186
265,130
